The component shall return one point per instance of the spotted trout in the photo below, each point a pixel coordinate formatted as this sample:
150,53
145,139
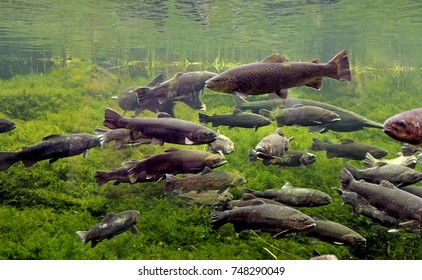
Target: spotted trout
275,74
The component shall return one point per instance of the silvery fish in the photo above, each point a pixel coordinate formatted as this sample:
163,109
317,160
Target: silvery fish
408,161
348,149
236,119
222,145
276,74
270,148
110,226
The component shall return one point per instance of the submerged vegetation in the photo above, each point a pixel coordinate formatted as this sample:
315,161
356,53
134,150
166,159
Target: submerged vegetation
42,207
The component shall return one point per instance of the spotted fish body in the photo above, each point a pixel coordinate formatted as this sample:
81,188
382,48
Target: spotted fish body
276,74
405,126
110,226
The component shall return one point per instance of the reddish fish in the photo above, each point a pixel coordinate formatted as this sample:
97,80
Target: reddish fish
405,126
276,74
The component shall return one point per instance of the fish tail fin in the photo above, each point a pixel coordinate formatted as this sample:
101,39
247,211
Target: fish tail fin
111,118
7,159
239,101
369,161
317,145
252,155
346,178
170,183
203,118
341,61
83,235
101,177
217,219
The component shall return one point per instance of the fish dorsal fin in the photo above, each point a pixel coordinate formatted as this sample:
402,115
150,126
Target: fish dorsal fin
287,185
171,149
52,136
248,196
316,60
237,111
347,141
163,115
206,170
279,132
320,217
107,217
177,75
387,184
257,202
276,58
297,105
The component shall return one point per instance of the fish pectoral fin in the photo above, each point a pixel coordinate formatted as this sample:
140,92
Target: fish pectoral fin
188,142
28,163
317,122
316,84
241,94
85,153
134,229
281,233
338,243
282,93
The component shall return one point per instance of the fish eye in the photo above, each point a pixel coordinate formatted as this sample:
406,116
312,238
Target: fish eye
401,123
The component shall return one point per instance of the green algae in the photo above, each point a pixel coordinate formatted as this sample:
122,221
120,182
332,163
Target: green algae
43,206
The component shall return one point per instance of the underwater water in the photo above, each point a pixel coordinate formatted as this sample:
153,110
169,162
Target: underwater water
62,61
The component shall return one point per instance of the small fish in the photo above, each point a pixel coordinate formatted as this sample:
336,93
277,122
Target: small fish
271,218
294,196
398,175
294,158
122,136
236,119
408,161
162,129
302,115
405,126
332,232
205,181
110,226
52,147
275,75
348,149
6,125
270,148
222,145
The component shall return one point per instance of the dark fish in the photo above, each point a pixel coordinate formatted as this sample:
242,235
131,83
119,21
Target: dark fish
348,149
122,136
270,148
332,232
207,180
293,196
385,197
413,189
51,147
405,126
6,125
398,175
408,161
295,158
349,121
265,217
171,161
162,129
361,206
127,99
110,226
237,119
301,115
248,199
276,74
222,145
183,87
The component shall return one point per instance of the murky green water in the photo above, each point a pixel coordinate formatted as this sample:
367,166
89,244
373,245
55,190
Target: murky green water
50,83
